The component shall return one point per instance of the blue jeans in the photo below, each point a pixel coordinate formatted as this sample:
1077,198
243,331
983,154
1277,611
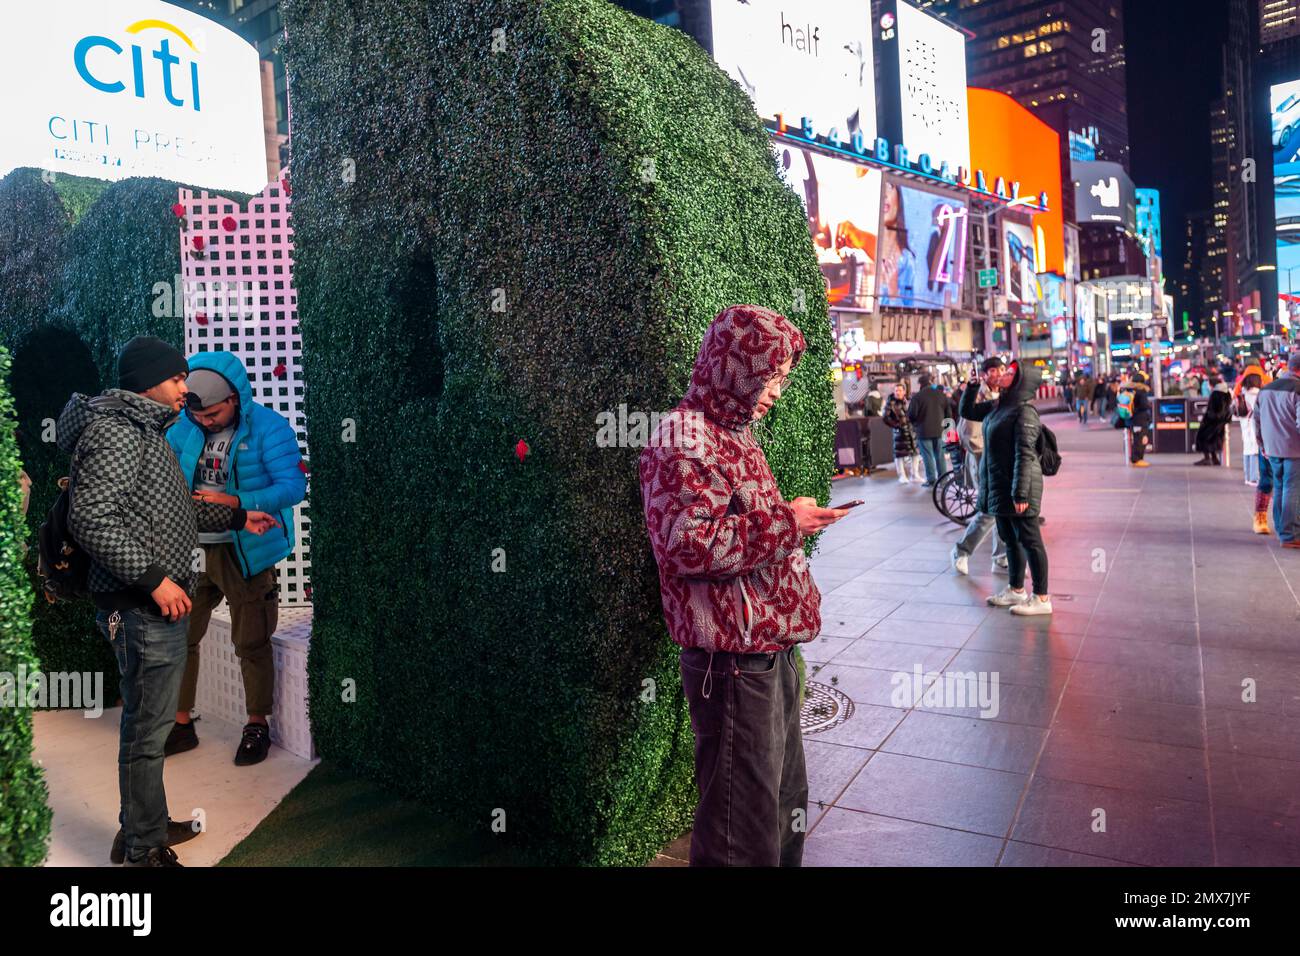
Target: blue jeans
151,653
1081,406
935,458
1286,496
1265,486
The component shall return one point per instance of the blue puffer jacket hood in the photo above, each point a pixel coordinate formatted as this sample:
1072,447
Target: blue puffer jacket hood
265,464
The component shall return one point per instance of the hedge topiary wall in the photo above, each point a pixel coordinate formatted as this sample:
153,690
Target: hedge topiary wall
535,235
79,262
24,816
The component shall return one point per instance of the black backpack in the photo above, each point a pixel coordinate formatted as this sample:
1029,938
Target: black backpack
62,564
64,567
1049,458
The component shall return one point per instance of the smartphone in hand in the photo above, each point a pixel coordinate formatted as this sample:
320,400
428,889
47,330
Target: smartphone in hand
848,504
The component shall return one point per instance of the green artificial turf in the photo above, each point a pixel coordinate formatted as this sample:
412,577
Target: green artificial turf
335,819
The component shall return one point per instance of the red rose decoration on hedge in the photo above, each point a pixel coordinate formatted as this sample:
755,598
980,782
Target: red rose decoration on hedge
284,184
199,243
179,210
521,449
279,370
302,466
229,224
201,318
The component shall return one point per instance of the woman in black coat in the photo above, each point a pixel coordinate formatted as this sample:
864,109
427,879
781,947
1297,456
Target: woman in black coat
1011,482
1213,428
895,416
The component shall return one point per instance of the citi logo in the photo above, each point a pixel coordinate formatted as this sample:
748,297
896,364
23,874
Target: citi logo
100,61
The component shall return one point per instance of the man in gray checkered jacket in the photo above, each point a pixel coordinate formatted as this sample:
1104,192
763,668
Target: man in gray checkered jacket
132,513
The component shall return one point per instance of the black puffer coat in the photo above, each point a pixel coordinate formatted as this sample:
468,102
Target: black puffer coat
1009,468
1214,424
895,417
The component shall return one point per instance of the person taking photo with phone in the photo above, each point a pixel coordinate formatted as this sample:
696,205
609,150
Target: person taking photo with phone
737,592
131,512
1011,483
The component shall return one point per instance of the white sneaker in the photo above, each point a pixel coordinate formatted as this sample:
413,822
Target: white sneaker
1000,566
1008,598
903,480
960,562
1033,606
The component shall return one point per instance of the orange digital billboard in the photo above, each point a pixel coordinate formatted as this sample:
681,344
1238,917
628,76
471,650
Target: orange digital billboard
1007,139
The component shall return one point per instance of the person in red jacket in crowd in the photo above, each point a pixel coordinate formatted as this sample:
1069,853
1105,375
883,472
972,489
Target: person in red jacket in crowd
737,592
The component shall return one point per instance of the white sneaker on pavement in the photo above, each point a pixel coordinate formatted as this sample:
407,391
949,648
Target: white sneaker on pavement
1033,606
960,562
1000,565
1008,598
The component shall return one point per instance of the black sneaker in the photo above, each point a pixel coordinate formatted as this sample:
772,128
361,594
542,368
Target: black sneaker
158,856
181,739
254,746
177,832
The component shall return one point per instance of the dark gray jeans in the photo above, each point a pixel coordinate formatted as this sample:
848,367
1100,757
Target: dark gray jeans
749,763
151,654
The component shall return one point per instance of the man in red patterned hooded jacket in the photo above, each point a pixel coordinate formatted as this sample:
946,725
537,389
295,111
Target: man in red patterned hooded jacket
736,588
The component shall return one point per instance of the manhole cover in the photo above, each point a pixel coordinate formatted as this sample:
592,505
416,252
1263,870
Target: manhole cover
824,707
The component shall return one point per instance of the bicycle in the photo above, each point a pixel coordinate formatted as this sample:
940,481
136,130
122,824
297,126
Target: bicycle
955,492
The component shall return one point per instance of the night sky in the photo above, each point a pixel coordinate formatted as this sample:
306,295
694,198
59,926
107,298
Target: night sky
1173,50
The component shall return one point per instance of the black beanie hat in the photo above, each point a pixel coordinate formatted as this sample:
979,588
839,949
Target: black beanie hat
147,361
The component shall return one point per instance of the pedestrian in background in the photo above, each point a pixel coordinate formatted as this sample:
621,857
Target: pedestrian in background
1082,397
1099,396
1245,415
1139,419
1214,427
1011,484
971,434
1277,428
928,411
907,459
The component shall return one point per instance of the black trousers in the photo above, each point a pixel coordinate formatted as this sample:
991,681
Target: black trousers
749,763
1024,541
1137,443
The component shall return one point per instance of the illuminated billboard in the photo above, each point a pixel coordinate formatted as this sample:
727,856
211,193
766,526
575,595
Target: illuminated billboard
842,201
922,248
1103,192
1006,137
1284,99
1020,267
799,59
1148,219
932,87
130,88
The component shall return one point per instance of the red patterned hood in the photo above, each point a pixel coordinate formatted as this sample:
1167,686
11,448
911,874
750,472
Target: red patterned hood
741,351
732,572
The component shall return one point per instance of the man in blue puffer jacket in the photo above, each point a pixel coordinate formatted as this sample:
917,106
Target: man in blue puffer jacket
236,452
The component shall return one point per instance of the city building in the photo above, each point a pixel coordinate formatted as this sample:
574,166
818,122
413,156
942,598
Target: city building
258,22
1190,296
1278,20
1217,287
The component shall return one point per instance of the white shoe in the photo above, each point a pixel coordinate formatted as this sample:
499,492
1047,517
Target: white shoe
903,480
1008,598
1033,606
1000,566
960,562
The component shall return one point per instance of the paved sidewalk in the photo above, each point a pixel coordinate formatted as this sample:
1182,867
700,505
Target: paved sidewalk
1121,735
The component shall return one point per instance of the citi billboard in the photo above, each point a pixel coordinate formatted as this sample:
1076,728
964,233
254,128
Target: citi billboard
130,88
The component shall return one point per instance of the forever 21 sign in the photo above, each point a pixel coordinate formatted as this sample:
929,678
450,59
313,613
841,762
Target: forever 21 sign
904,328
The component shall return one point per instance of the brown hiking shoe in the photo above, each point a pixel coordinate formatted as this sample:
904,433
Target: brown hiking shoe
1261,522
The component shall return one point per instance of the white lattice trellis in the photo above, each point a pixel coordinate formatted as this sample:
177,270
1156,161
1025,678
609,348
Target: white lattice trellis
237,287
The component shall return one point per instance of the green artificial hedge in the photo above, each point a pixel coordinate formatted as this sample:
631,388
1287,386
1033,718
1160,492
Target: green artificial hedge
79,261
618,189
24,815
